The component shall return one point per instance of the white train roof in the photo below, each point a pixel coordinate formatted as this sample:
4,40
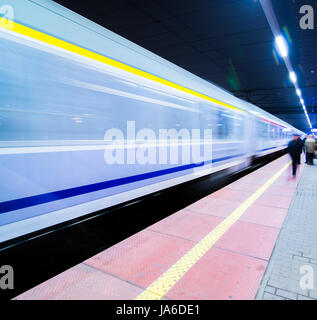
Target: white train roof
51,18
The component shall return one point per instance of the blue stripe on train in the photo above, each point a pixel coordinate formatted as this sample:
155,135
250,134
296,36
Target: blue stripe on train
21,203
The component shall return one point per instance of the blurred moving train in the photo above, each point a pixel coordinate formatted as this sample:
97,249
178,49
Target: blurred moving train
64,82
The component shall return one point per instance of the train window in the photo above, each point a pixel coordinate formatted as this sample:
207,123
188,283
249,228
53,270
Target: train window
268,131
228,127
263,130
237,131
273,131
222,127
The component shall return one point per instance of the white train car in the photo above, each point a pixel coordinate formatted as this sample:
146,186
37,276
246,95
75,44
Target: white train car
74,93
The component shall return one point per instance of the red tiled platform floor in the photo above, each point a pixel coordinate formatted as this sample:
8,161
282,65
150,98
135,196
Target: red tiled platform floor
231,269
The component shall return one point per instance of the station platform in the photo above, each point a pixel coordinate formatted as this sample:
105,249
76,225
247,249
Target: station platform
248,240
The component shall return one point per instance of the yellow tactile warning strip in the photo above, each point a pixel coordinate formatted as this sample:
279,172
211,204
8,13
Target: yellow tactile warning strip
168,279
32,33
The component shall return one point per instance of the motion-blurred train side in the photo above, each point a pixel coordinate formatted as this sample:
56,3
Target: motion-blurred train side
65,81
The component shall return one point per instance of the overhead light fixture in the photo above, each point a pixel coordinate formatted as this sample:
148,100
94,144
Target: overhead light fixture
281,46
292,76
280,42
298,92
302,101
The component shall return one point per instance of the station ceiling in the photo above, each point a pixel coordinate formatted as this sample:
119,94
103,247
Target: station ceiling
227,42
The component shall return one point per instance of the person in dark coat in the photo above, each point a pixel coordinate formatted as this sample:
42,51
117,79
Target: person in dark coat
302,144
304,140
295,148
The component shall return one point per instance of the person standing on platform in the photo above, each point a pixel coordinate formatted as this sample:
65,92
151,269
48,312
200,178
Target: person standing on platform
301,143
310,147
295,148
304,149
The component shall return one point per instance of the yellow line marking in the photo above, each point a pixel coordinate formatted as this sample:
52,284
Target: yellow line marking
169,278
29,32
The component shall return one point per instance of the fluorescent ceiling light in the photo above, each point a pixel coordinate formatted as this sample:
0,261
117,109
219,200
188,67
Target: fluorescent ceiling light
298,92
281,46
292,76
